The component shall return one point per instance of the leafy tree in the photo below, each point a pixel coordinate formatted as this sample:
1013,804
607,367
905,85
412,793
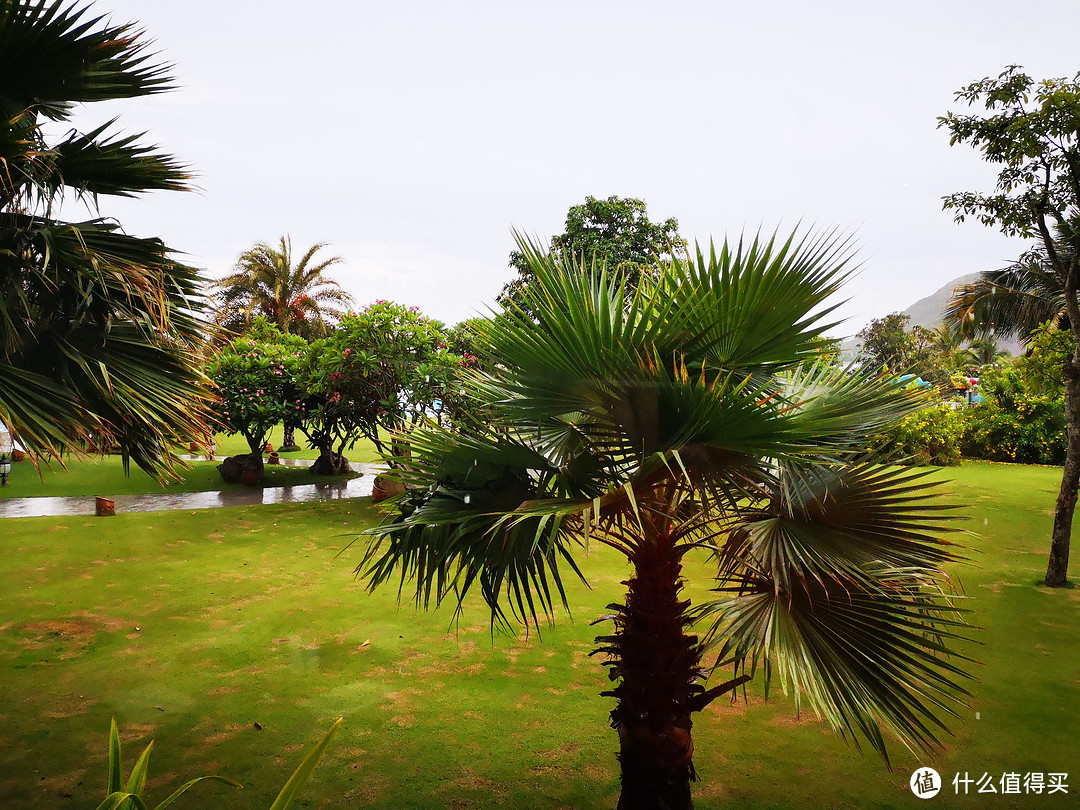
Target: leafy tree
616,233
380,372
256,376
1031,131
297,296
690,419
1040,367
886,343
100,335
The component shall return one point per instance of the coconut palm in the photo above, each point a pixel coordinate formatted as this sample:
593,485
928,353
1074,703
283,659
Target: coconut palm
689,418
297,296
99,330
1015,301
984,351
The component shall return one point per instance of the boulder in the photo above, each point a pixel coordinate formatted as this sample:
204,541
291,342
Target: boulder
243,469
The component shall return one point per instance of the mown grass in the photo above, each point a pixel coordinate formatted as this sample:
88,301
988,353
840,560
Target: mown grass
191,627
104,475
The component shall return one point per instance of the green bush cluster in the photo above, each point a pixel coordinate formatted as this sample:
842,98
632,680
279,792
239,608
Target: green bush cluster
1025,429
930,436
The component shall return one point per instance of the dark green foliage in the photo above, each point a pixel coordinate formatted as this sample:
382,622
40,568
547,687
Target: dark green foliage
1014,423
887,344
615,233
100,334
255,377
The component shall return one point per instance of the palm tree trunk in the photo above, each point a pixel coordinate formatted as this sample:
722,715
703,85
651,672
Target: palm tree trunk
1058,566
658,668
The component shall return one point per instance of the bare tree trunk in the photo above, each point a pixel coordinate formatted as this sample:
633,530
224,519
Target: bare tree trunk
1058,566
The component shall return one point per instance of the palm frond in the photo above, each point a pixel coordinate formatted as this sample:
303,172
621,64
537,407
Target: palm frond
834,588
53,55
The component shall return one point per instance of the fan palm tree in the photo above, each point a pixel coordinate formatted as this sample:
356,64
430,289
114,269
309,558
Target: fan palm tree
294,295
99,330
690,418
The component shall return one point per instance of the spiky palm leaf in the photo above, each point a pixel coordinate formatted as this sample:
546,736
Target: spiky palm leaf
692,416
99,330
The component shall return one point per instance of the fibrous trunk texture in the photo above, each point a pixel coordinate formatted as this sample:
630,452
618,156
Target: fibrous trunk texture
657,666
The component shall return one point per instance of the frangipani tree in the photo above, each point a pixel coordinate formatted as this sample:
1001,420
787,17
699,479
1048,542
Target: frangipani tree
256,380
691,420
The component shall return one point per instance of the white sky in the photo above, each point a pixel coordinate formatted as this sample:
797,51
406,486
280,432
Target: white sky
413,136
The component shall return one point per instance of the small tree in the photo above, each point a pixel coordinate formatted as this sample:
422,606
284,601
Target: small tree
383,370
256,380
693,420
886,343
1031,131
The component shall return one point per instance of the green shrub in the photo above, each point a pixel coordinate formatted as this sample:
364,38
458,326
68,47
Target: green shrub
929,436
1021,428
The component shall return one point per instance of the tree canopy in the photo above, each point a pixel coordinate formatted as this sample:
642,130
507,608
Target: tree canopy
296,295
615,233
1030,131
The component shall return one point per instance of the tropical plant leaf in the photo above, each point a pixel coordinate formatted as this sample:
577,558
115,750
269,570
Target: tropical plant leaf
303,773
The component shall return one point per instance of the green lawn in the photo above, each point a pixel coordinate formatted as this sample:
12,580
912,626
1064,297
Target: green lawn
191,627
104,475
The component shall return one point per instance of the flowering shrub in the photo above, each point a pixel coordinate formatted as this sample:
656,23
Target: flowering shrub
1015,423
1028,429
255,378
381,370
929,436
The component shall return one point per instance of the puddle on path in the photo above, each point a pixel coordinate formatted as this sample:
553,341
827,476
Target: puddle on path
159,502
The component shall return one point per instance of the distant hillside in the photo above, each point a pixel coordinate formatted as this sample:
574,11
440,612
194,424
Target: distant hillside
928,312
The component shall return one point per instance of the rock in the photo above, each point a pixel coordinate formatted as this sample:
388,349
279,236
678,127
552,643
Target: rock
243,469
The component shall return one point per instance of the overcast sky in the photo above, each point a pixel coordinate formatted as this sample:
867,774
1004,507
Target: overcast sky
412,137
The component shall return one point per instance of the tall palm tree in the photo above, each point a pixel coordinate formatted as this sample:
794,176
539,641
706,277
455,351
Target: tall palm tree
99,330
297,296
690,419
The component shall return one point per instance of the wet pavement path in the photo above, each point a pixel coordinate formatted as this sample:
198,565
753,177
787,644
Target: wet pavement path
158,502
